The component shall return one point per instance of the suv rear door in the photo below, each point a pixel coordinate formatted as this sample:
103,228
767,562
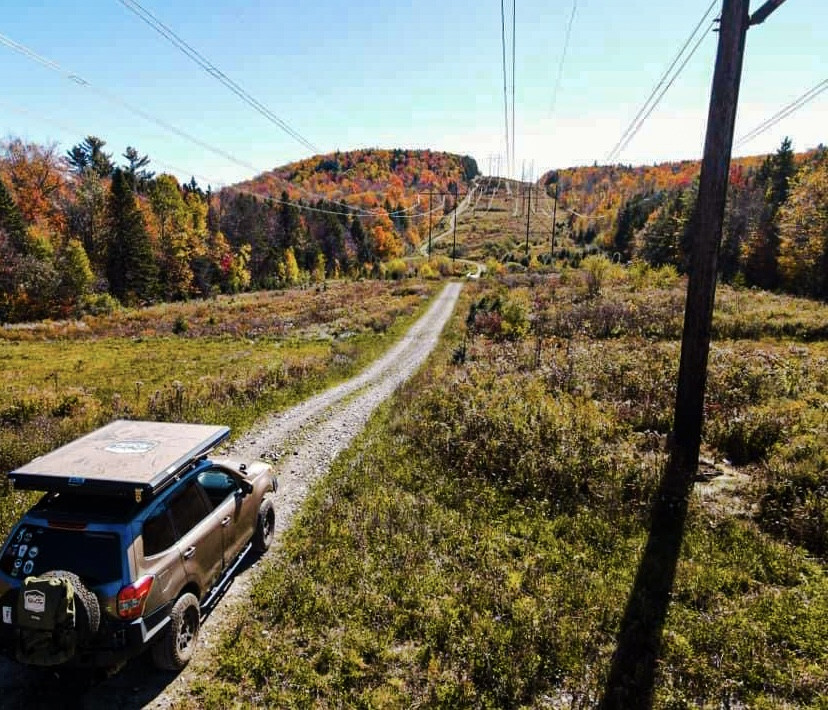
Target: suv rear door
199,537
233,508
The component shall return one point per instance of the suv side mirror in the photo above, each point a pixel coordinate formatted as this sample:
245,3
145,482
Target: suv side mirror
246,487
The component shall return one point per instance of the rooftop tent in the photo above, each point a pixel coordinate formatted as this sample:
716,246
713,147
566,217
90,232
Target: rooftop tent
123,457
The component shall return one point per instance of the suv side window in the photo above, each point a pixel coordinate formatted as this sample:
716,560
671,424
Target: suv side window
188,508
158,533
218,485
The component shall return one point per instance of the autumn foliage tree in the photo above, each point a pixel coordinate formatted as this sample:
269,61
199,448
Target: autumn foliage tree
175,237
771,232
803,230
36,176
86,217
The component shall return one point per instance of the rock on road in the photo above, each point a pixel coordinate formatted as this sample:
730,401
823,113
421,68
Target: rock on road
303,442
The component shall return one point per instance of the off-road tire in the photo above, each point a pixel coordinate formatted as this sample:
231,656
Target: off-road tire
265,527
175,648
87,609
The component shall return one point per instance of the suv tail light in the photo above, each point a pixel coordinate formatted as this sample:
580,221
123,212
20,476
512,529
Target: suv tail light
133,598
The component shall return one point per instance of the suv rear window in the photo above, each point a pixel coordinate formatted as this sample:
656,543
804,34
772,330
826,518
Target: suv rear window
174,520
188,508
158,533
94,556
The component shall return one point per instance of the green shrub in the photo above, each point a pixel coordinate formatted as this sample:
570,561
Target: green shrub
180,325
749,436
442,265
665,276
98,304
508,429
500,316
595,267
396,269
794,503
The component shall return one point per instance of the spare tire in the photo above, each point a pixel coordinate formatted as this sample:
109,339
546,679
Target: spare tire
87,609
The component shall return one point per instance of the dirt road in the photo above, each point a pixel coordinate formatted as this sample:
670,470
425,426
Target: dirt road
303,442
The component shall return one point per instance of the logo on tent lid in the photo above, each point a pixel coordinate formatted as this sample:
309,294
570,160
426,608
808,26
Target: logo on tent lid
131,446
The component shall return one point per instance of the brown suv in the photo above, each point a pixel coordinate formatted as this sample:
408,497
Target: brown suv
137,535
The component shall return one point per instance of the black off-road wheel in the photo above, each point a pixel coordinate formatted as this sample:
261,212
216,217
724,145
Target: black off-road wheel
175,648
87,609
265,527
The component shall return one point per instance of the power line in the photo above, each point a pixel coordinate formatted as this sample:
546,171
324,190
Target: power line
514,43
563,58
661,95
162,29
115,99
655,97
75,131
54,66
210,181
319,210
505,96
112,98
784,112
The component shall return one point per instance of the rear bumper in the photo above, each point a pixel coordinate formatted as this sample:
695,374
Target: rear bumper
115,641
118,641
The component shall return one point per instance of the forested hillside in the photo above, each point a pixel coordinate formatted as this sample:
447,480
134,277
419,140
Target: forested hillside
360,207
775,231
81,232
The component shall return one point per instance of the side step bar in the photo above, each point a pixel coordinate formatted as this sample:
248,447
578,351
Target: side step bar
224,582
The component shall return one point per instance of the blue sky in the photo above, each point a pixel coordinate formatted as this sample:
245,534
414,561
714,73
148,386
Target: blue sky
399,73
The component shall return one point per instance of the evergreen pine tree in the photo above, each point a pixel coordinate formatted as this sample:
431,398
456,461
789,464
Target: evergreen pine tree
139,178
76,275
11,220
660,240
90,155
631,218
131,267
363,249
761,255
290,222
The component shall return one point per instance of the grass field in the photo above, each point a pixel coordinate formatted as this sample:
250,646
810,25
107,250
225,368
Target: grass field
477,547
227,361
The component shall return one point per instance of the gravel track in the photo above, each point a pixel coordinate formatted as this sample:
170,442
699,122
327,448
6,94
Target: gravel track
302,442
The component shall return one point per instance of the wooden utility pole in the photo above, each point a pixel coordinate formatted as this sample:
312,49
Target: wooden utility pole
762,14
528,212
554,223
456,195
430,193
707,224
454,233
631,680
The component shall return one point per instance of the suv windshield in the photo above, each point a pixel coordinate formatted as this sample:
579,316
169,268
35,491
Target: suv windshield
32,550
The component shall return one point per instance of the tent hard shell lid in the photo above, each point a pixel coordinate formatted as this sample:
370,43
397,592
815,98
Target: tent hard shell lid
123,457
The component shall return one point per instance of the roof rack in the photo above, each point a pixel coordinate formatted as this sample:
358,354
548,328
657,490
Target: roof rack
122,458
